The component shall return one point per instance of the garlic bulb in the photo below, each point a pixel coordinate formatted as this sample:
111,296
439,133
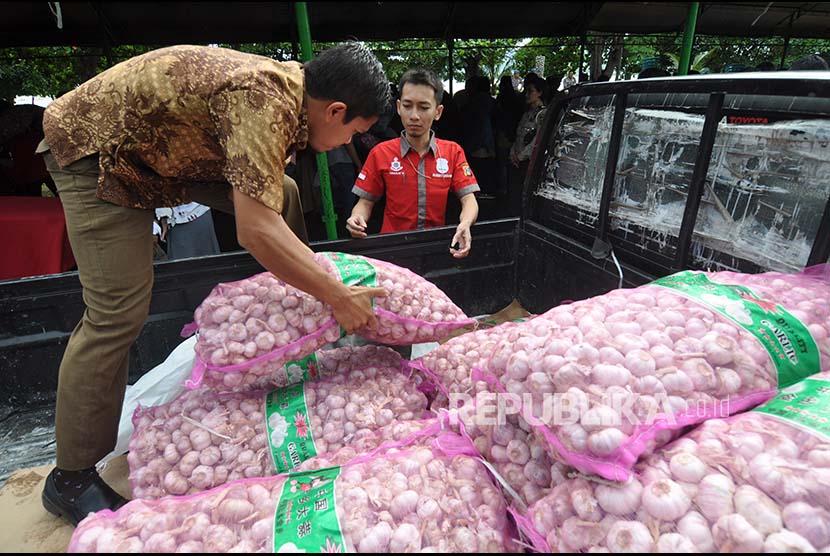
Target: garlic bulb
675,543
629,536
688,468
620,500
758,509
714,497
787,541
665,500
694,526
733,533
809,522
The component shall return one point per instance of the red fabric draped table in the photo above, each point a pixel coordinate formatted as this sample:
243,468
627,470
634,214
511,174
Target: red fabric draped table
33,237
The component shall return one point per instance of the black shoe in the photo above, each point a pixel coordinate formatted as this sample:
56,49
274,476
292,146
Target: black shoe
94,496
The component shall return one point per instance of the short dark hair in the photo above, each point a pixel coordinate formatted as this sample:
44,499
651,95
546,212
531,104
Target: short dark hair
652,72
810,62
421,76
351,74
482,84
537,83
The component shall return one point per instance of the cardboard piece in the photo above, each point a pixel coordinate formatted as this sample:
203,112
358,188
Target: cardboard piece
512,312
27,526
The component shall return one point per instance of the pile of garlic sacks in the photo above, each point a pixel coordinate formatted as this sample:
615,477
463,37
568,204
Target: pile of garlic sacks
671,361
433,496
751,483
204,439
455,451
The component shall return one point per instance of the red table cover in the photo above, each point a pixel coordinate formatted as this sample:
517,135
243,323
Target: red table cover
33,237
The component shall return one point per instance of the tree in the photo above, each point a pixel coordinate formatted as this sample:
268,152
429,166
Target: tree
561,55
488,57
606,55
48,71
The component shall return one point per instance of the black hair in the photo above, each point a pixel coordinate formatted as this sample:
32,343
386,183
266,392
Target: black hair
506,85
482,84
537,83
351,74
420,76
809,62
530,76
652,72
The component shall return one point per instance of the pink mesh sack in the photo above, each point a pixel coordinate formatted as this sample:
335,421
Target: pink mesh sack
601,382
755,482
425,497
521,460
249,329
204,439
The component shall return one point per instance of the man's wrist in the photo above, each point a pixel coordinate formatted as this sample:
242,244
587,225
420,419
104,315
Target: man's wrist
335,293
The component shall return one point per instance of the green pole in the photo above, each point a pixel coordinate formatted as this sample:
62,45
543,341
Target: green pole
688,39
329,218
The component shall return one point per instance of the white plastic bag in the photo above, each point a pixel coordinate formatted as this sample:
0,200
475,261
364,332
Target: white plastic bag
159,386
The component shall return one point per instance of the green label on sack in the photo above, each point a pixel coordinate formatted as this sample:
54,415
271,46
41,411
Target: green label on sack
304,369
354,271
306,516
805,405
492,323
289,427
790,345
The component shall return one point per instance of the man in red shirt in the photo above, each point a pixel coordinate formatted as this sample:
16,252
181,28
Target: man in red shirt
417,171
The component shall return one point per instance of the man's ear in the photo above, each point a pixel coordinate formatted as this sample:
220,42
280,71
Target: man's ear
438,112
398,105
336,111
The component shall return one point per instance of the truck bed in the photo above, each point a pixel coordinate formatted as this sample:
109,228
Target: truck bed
38,315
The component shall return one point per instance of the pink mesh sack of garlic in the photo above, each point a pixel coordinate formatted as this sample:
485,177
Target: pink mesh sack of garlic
522,461
422,498
204,439
401,434
311,367
606,380
249,329
503,439
756,482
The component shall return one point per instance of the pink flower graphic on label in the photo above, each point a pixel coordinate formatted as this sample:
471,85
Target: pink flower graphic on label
331,547
768,306
301,425
313,373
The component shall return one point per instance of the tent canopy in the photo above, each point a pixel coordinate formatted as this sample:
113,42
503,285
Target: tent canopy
159,23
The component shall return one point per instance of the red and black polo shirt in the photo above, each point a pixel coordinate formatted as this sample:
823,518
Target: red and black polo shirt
416,187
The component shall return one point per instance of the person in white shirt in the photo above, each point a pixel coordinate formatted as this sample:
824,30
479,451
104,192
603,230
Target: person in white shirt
568,81
188,230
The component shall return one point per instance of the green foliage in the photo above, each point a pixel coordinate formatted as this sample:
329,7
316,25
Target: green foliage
561,55
399,56
715,53
48,71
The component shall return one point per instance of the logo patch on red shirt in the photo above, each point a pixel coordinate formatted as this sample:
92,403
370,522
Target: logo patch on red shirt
466,168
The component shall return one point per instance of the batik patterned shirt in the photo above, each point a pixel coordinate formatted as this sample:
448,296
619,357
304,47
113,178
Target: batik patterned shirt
177,117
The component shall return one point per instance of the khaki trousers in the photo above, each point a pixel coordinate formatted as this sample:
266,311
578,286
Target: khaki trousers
113,247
